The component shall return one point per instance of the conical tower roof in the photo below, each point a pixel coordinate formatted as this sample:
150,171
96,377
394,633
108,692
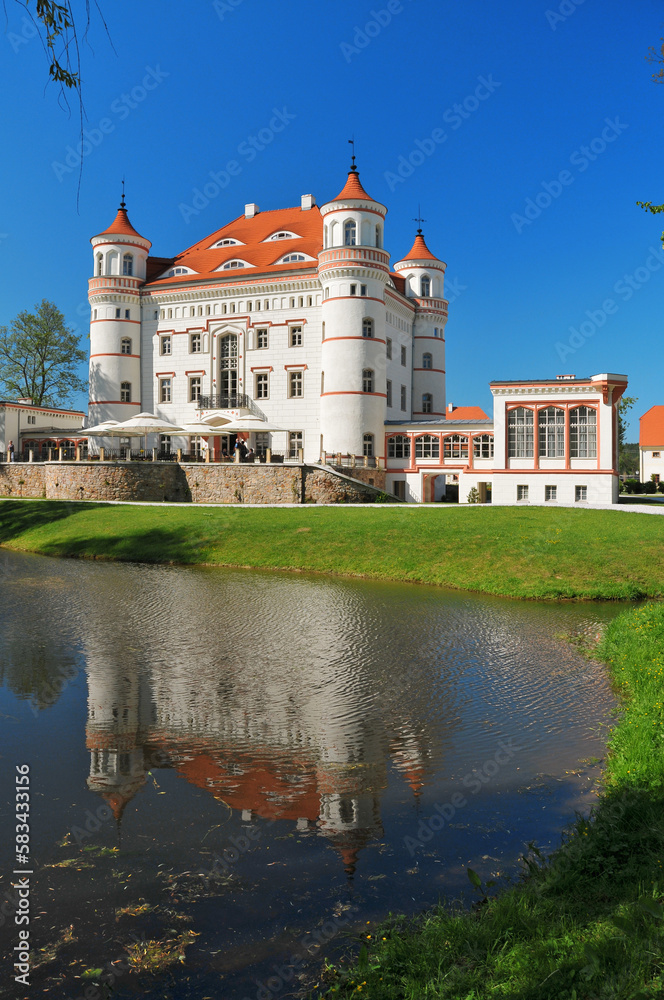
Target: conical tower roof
121,226
419,250
353,188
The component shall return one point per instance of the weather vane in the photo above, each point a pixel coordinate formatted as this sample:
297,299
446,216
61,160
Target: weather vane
122,203
419,220
352,142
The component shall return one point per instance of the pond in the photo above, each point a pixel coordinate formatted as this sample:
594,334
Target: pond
232,772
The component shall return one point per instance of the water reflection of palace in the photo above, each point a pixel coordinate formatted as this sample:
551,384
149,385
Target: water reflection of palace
298,728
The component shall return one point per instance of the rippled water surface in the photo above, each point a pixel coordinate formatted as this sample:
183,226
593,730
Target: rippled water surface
254,765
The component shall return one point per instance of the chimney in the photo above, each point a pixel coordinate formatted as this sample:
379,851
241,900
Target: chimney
250,211
308,201
450,408
561,377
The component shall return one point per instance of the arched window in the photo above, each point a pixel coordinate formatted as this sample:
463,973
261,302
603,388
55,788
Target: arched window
583,432
125,392
350,233
427,402
100,263
483,446
378,239
520,433
427,361
367,328
229,265
425,286
125,345
551,432
228,365
427,446
455,446
128,264
398,446
367,380
290,257
368,445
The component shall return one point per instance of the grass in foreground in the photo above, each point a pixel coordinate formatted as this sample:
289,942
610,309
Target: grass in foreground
515,552
586,925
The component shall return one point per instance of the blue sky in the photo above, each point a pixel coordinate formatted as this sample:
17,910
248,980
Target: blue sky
528,186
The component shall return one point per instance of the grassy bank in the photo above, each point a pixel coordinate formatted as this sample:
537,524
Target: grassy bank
589,923
518,552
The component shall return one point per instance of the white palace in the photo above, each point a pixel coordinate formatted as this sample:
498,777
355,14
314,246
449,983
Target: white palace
297,316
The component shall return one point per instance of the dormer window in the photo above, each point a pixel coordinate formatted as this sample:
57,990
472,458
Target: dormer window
230,264
282,235
177,270
228,241
290,258
128,264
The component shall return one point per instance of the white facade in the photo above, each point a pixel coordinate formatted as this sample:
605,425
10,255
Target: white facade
29,427
295,316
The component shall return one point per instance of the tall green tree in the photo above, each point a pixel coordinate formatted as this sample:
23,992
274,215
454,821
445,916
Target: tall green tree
39,356
625,451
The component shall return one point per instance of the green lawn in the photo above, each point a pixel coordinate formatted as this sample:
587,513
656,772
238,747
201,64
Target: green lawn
518,552
588,924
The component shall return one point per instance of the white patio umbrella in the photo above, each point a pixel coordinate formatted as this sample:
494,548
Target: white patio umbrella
249,425
99,430
139,426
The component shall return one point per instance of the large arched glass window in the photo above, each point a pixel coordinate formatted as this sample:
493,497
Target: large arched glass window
398,446
367,380
427,402
228,368
583,432
368,445
128,264
427,446
427,361
551,423
350,233
367,328
520,433
425,286
455,446
125,392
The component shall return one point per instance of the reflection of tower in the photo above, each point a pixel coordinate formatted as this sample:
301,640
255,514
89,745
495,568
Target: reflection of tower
117,765
349,811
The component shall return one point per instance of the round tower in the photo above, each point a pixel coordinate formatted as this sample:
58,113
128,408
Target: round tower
353,270
120,255
425,277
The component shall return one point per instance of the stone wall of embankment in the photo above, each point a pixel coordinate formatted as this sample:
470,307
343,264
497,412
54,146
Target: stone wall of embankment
187,483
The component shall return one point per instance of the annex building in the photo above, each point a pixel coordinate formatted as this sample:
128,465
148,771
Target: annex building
298,317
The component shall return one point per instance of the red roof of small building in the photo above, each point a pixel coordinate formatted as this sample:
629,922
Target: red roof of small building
651,427
353,189
419,250
251,233
466,413
121,226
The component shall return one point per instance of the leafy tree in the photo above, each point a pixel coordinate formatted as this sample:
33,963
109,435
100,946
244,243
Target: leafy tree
39,356
624,456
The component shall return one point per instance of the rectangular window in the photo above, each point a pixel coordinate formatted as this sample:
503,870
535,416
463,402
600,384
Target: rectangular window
296,336
195,343
398,446
262,385
295,384
165,387
261,338
403,398
404,359
455,446
165,345
655,454
127,314
363,289
262,443
427,446
117,314
550,492
353,289
551,423
520,433
194,389
580,494
522,492
294,443
165,443
389,392
483,446
583,432
388,348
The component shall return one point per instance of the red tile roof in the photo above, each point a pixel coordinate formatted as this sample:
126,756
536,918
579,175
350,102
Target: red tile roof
467,413
306,224
353,189
121,226
419,250
651,424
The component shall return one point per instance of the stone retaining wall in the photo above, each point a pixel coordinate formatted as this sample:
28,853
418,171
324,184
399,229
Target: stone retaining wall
187,483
